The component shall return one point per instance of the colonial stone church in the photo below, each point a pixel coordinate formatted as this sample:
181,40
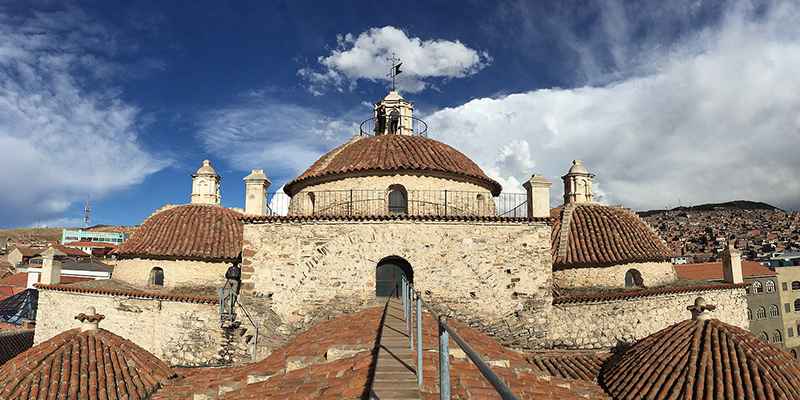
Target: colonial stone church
389,204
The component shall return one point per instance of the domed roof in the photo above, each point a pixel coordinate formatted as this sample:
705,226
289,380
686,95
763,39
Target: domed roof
192,231
601,236
701,359
393,153
577,167
206,168
91,364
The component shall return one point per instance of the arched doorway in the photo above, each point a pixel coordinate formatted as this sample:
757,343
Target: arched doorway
389,273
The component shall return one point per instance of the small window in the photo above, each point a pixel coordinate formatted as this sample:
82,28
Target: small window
790,332
784,286
157,276
757,288
764,336
797,306
793,353
397,202
776,337
780,263
633,278
787,308
761,313
773,311
796,285
794,262
749,314
770,286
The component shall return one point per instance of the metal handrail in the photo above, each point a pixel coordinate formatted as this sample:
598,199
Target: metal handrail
231,299
411,296
418,126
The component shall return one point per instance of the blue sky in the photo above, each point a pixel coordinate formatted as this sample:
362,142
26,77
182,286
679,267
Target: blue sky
664,101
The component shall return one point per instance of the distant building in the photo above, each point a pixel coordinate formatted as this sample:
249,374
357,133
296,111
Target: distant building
91,236
96,249
784,260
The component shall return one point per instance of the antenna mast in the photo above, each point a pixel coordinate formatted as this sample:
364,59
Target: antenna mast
86,217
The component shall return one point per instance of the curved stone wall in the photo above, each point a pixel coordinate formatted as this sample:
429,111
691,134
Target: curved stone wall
136,271
369,196
653,274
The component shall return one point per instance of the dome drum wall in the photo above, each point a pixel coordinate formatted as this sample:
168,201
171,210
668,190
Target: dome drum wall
653,274
177,273
367,193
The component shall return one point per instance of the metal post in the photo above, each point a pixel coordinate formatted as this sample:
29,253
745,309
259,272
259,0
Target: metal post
411,319
405,310
444,361
445,203
419,341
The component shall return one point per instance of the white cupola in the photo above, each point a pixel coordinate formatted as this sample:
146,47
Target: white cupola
578,184
205,185
393,115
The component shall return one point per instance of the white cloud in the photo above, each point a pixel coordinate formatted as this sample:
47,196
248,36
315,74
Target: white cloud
364,57
717,120
282,138
60,139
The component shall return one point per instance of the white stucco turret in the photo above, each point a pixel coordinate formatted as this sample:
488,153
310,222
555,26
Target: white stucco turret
384,116
578,184
205,185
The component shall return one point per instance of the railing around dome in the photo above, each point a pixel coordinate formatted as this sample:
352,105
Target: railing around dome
414,202
406,125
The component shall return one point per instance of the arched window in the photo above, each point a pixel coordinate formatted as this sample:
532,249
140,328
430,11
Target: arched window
749,314
776,337
770,286
761,313
157,276
773,311
764,336
757,288
797,305
312,198
796,285
633,278
793,353
397,200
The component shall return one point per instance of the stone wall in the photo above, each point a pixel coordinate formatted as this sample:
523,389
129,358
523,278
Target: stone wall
177,273
179,333
425,196
620,323
653,274
487,271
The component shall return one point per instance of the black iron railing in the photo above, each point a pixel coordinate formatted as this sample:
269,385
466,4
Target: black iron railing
405,125
390,202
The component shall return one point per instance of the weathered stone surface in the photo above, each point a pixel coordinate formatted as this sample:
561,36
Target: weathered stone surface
653,274
176,272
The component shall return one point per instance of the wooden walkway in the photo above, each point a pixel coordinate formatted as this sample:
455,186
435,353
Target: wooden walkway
395,371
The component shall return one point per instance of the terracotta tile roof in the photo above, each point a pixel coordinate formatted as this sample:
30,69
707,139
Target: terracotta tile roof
27,251
713,271
645,293
70,251
570,366
14,342
128,293
394,217
393,153
602,235
703,360
20,279
526,380
92,364
347,377
192,231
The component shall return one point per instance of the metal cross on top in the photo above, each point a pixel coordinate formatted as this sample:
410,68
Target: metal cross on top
395,69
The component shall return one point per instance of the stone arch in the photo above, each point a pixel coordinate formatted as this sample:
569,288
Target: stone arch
156,276
388,274
633,278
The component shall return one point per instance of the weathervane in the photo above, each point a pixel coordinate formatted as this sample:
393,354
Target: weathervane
395,69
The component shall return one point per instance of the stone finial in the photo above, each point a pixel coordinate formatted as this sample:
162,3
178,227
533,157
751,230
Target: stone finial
538,191
89,319
700,310
732,265
578,184
256,184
